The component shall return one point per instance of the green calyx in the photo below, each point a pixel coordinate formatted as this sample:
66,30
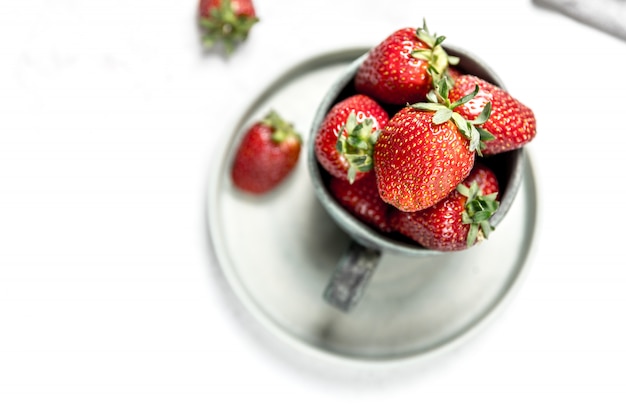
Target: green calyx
439,103
478,210
437,58
281,129
355,142
225,26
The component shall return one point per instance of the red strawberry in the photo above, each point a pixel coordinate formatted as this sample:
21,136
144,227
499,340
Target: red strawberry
426,150
362,200
268,152
399,70
228,21
418,162
511,123
345,140
458,221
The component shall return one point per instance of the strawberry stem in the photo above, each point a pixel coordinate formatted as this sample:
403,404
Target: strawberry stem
281,129
439,103
434,55
477,211
355,142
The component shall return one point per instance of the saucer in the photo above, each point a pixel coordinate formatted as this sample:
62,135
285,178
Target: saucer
277,252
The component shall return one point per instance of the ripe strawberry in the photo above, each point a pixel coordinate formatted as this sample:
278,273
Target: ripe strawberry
345,140
362,200
511,123
228,21
426,150
418,162
400,69
458,221
268,152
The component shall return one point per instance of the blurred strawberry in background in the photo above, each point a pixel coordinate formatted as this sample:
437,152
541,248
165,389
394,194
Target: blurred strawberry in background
226,21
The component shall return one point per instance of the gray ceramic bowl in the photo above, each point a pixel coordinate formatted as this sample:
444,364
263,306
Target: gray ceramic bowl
370,243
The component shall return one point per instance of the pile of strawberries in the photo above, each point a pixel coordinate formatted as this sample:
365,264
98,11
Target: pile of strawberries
407,152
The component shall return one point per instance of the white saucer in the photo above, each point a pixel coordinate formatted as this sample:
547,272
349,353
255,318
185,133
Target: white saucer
278,251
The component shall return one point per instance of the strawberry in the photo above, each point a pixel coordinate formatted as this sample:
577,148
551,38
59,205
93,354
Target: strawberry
400,69
457,222
362,200
228,21
511,123
268,152
345,140
426,150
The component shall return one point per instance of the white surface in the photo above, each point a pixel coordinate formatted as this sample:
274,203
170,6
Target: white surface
111,302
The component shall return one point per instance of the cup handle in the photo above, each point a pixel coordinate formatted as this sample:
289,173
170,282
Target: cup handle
351,276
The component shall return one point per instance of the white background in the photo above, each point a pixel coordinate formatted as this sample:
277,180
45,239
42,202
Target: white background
111,302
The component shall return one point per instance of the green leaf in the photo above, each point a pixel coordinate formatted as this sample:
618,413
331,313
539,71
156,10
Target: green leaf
356,142
473,192
486,228
364,130
492,197
281,128
356,160
481,216
485,135
351,174
472,235
440,87
466,98
462,124
463,190
484,115
442,115
474,138
341,140
374,137
428,106
351,121
431,96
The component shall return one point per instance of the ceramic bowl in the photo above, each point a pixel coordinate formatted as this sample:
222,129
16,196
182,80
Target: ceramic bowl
507,166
